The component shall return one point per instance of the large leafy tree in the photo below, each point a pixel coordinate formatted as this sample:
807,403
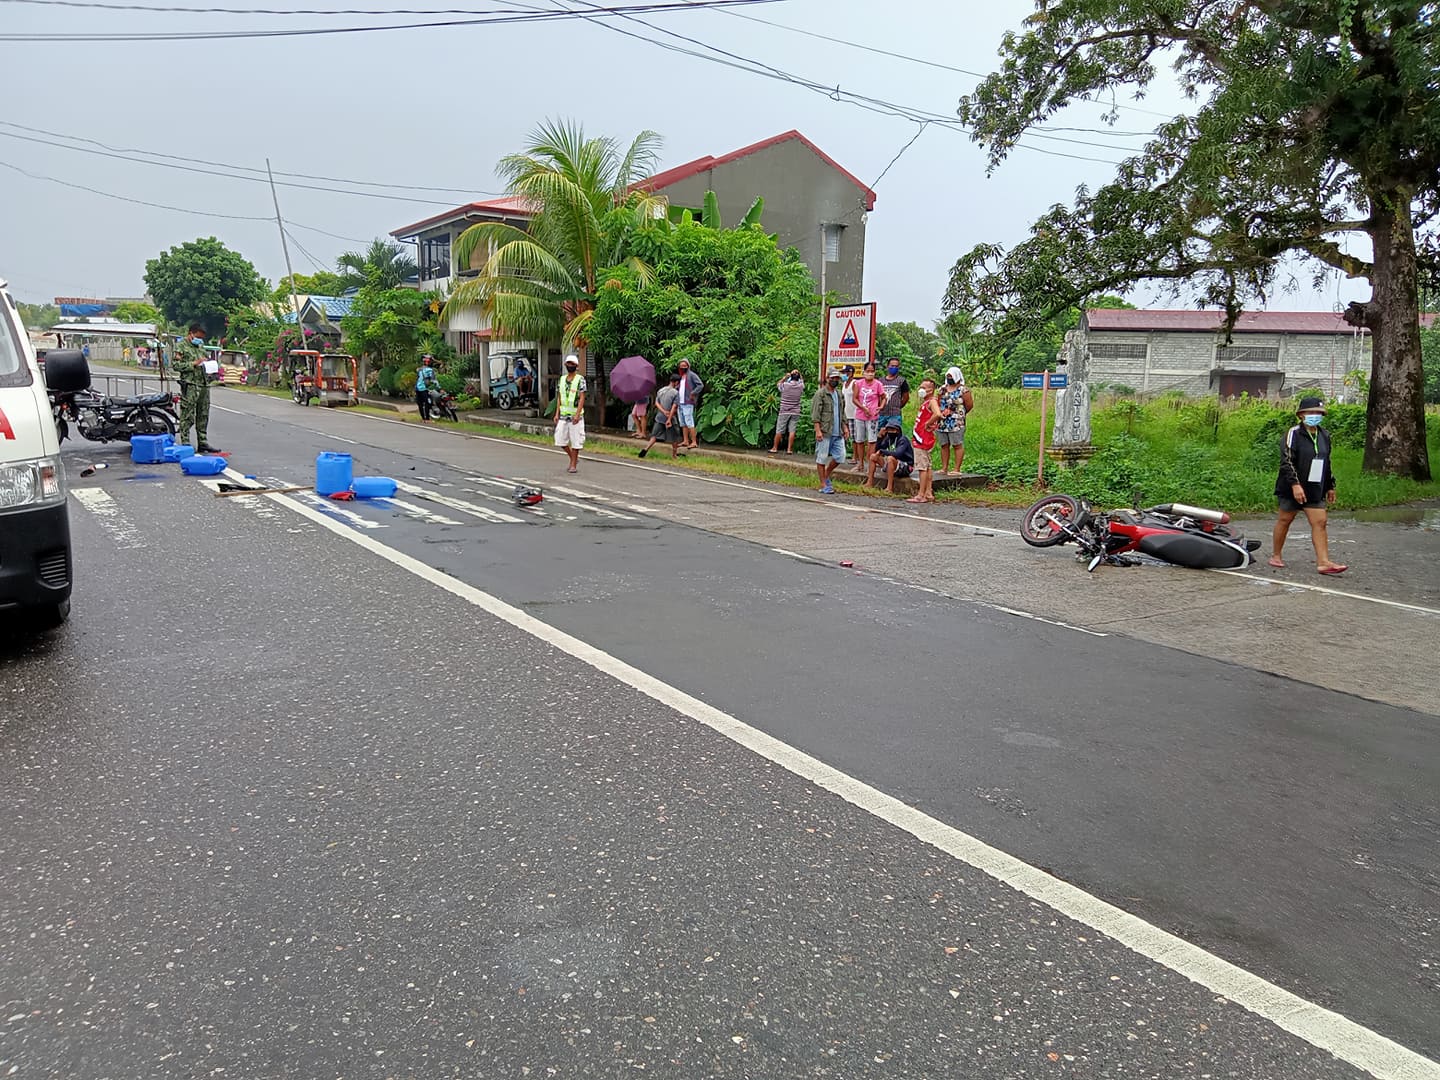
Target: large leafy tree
743,311
202,282
383,265
387,325
540,284
1314,120
137,311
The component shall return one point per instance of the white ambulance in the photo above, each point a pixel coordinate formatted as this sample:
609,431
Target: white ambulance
34,524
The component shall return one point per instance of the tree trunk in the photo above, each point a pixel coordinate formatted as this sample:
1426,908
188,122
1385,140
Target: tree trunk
1395,414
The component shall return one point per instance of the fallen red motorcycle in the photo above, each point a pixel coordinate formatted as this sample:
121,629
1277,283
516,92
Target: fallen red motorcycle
1182,535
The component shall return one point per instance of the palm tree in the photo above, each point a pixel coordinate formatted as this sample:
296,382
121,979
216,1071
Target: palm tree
384,264
540,284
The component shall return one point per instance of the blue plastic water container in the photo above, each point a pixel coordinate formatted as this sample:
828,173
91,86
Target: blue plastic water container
333,472
202,465
177,453
374,487
149,449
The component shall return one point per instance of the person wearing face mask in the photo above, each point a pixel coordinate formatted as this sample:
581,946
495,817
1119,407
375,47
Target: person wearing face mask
187,364
570,412
827,413
1306,483
897,395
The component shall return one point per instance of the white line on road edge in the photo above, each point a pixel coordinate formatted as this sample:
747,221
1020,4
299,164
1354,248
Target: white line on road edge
1329,1031
111,518
1331,592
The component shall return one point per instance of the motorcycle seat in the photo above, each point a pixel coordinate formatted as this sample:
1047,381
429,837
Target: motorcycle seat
144,399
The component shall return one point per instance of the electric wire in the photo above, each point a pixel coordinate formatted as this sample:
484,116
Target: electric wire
167,206
50,37
241,168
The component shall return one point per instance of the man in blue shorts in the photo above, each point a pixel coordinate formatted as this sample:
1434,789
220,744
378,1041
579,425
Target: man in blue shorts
827,412
690,387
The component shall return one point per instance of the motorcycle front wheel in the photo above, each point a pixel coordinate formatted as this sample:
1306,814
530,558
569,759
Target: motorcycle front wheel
449,413
1037,529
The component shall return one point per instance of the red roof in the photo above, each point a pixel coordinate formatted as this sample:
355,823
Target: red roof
660,181
1211,321
508,206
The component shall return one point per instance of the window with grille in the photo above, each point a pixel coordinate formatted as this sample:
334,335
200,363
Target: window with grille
1248,355
832,243
1115,351
435,257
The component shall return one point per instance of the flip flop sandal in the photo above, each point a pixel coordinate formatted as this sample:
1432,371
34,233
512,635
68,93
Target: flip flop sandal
1278,564
1334,569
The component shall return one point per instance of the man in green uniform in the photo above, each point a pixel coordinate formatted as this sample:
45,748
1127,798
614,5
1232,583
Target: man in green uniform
187,365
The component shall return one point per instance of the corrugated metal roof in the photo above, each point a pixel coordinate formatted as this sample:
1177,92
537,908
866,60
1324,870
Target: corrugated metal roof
660,181
506,206
1211,321
116,329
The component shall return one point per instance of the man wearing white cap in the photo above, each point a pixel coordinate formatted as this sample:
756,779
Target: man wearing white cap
955,401
570,412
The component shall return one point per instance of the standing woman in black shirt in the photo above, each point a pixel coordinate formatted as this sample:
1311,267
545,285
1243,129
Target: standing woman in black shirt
1306,483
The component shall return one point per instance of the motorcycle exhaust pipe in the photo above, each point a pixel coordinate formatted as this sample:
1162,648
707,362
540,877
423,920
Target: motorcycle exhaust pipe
1219,517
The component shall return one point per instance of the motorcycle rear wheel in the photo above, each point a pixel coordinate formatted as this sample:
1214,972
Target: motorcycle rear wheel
154,422
1037,531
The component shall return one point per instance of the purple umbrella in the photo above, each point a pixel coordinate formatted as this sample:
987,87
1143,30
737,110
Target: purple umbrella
633,379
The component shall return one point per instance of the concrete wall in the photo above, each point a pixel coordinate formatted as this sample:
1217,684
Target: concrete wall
1184,361
801,193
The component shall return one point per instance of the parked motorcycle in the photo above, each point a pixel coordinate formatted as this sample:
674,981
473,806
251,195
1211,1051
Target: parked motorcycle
442,403
107,419
1190,536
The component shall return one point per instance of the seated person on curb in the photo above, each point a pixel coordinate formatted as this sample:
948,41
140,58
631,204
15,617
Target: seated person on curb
897,454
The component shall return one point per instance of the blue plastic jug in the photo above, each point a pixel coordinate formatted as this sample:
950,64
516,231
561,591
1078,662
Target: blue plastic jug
374,487
149,449
202,465
177,453
333,472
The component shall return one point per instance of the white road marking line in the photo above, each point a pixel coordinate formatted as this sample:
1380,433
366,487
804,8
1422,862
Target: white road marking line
473,509
109,516
1331,592
530,511
327,435
419,512
329,506
1320,1027
590,508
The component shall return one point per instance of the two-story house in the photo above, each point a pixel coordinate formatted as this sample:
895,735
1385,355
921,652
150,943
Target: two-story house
811,203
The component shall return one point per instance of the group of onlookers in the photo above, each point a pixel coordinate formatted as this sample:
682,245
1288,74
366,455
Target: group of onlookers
867,413
674,422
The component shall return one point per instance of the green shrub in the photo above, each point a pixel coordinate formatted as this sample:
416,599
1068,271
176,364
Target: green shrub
385,379
450,383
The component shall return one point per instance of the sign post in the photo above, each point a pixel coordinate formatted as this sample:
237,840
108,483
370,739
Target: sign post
1043,381
849,338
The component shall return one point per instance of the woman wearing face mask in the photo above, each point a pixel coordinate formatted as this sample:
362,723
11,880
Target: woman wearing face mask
1306,483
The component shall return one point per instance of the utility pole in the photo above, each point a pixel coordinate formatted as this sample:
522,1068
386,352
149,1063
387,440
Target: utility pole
294,296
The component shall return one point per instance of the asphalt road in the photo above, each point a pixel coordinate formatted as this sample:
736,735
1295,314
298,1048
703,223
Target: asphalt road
279,807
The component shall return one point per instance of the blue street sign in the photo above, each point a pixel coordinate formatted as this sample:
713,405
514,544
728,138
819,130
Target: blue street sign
1035,380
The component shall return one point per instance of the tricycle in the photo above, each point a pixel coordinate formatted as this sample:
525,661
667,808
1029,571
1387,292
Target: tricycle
330,378
515,383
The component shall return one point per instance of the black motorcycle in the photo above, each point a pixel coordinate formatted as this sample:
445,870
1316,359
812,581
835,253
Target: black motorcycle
442,404
106,419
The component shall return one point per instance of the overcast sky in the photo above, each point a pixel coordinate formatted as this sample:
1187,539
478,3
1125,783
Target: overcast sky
438,107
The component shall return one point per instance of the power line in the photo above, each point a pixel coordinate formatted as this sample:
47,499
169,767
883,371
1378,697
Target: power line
232,35
176,165
835,93
918,60
242,168
166,206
